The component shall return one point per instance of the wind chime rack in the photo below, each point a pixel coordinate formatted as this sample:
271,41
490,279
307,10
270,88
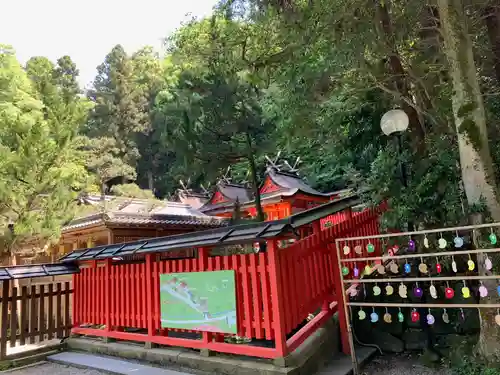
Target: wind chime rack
410,250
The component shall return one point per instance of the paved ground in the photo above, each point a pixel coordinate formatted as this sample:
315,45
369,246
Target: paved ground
108,364
53,369
399,365
394,365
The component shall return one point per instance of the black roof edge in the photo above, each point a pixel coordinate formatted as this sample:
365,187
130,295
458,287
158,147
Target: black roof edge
242,233
327,209
37,270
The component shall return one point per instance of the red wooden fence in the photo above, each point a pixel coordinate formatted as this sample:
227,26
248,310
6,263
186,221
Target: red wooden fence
310,272
275,292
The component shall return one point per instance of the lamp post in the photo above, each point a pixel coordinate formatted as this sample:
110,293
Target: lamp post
395,122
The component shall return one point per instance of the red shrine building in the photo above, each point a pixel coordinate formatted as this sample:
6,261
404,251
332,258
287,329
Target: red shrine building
282,193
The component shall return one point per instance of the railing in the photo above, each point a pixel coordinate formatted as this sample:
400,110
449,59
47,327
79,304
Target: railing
276,291
31,316
117,296
309,273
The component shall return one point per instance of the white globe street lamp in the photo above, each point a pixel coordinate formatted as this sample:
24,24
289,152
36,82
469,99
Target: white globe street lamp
394,121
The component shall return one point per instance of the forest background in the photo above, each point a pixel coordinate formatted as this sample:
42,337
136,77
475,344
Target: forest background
309,78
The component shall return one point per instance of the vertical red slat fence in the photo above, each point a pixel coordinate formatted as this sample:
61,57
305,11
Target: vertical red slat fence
276,291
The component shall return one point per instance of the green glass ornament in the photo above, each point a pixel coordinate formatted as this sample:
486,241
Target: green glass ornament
401,317
345,271
493,238
370,248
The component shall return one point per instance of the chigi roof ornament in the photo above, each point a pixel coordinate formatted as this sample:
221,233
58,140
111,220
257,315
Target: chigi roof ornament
226,178
293,169
206,190
184,187
284,165
273,164
246,181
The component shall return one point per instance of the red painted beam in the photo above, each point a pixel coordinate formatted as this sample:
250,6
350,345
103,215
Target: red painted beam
306,331
187,343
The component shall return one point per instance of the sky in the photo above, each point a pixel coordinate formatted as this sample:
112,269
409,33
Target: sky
86,30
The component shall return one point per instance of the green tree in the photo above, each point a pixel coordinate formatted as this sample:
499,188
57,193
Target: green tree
478,170
214,121
148,78
118,105
41,171
104,159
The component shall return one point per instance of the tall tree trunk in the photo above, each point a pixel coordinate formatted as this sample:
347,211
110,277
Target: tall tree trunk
151,185
255,179
429,55
399,75
103,197
470,122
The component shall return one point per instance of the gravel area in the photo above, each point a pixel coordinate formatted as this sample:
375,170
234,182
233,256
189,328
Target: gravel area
53,369
401,364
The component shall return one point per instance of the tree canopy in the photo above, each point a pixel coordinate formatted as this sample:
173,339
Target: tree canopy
257,77
311,79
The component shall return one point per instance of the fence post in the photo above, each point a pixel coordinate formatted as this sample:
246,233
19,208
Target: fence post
206,337
149,301
341,296
316,226
277,300
4,320
107,296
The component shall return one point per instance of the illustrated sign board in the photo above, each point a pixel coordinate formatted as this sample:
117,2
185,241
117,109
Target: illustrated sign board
199,301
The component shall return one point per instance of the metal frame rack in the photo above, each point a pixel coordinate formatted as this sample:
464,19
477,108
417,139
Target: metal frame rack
345,260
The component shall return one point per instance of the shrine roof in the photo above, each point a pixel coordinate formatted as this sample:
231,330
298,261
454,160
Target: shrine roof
141,212
236,192
276,184
194,199
227,194
238,234
287,184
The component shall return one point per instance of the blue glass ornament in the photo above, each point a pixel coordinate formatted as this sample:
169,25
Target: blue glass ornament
407,268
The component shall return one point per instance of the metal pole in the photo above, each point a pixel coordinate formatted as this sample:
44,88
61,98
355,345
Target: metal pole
462,228
402,166
347,315
423,255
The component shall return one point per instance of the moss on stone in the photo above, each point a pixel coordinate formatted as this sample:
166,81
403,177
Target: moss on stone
5,365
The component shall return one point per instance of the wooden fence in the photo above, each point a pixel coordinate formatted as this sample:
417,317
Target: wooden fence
33,315
276,290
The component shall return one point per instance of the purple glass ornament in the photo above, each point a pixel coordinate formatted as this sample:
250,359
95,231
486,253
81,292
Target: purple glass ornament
411,245
418,292
356,271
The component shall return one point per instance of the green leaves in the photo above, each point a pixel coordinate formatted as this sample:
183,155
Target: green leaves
41,171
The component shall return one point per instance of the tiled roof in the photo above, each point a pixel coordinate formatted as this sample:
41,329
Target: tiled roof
159,219
245,233
142,212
